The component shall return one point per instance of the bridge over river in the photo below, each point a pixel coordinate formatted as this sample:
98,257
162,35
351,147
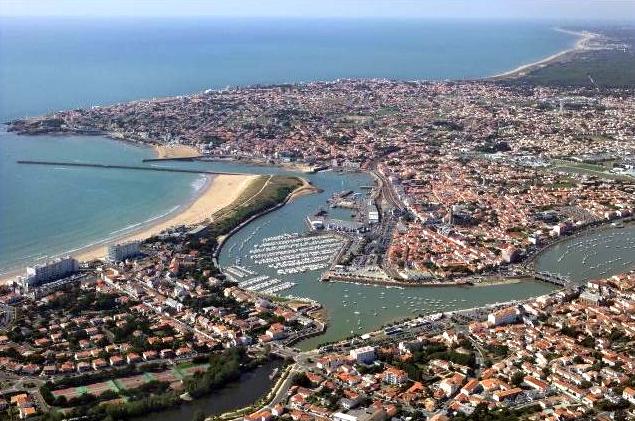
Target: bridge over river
553,278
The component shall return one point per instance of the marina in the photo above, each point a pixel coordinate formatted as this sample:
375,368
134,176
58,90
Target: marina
279,246
261,283
285,232
293,253
599,253
273,242
399,183
286,254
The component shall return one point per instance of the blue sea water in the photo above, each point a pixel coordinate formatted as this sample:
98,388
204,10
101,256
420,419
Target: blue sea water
49,210
54,64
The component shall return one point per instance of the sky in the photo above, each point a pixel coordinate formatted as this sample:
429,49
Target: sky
622,10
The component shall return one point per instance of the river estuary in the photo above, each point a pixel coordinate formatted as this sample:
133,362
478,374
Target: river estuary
351,308
356,309
54,210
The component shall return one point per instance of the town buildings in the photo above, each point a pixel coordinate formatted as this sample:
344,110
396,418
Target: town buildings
486,172
552,357
49,271
119,252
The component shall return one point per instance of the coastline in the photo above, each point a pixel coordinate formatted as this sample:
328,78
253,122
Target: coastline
582,44
305,189
218,192
532,260
183,151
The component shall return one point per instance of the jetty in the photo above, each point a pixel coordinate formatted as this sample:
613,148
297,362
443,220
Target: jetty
260,283
124,167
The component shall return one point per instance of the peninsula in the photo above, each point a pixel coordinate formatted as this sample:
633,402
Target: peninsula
472,181
586,41
473,176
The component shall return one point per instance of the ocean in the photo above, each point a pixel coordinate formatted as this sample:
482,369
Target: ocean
57,64
48,65
48,211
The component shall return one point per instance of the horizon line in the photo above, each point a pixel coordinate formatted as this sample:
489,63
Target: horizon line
323,17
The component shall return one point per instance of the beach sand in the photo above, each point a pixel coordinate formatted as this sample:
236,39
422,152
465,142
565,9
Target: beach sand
583,43
219,192
175,151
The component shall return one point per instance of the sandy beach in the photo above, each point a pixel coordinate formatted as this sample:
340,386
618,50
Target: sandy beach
582,44
175,151
219,192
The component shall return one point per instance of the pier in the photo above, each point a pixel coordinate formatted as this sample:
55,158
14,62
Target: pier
262,284
124,167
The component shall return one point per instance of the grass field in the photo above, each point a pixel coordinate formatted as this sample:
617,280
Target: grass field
589,169
609,69
264,193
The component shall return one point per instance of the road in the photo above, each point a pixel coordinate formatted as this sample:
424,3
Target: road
480,358
283,391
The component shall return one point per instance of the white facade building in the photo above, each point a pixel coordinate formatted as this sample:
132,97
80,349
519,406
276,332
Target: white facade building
373,213
504,316
119,252
364,355
49,271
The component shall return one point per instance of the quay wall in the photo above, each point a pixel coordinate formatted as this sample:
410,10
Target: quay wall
327,277
185,158
587,229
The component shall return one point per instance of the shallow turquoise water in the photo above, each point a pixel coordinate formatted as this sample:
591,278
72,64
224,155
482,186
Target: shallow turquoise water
47,210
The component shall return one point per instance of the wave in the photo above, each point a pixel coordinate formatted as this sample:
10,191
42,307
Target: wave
124,229
142,223
175,208
199,183
114,235
111,237
86,246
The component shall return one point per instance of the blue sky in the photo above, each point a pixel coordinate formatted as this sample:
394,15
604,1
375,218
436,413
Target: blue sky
496,9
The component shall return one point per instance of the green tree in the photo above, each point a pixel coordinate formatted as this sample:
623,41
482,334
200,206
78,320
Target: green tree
517,378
